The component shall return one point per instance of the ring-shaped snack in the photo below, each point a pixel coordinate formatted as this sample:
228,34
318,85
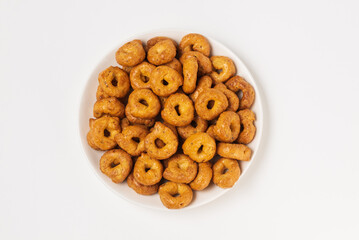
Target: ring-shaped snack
195,42
178,110
140,75
90,141
162,52
210,131
147,171
203,178
210,104
168,192
227,127
140,188
234,151
226,67
226,172
164,81
197,125
233,100
125,123
166,135
248,130
238,83
135,120
104,130
130,54
190,69
143,103
114,82
116,164
100,94
153,41
180,169
176,65
200,147
132,139
204,63
108,106
204,83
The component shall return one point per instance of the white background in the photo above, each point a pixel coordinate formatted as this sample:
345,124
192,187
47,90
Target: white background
304,57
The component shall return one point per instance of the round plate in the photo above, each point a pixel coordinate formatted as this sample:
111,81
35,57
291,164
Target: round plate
122,190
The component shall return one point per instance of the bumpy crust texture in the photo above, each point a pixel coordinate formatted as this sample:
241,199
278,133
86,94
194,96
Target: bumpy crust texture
200,147
132,139
248,130
147,171
226,172
140,188
234,151
180,169
131,54
162,52
116,164
168,190
114,82
238,83
203,178
195,42
109,106
203,104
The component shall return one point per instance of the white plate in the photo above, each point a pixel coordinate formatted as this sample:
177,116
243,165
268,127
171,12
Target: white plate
122,190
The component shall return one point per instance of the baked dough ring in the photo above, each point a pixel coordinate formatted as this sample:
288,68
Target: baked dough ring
204,83
234,151
203,105
160,131
200,147
100,94
248,130
103,132
108,106
176,65
178,110
140,188
233,100
227,127
197,125
236,84
168,190
114,82
226,172
132,139
153,41
131,54
162,52
225,65
140,75
143,103
195,42
203,178
180,169
147,170
116,164
164,81
135,120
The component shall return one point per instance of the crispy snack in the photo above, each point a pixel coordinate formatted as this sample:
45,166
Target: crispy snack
210,104
234,151
114,82
155,40
162,52
131,54
116,164
168,192
165,81
200,147
143,103
210,131
247,123
195,42
176,65
90,141
125,123
180,169
109,106
100,94
227,127
147,171
136,120
178,110
127,69
140,75
204,83
226,172
236,84
226,67
233,100
132,139
204,63
203,178
103,132
140,188
166,135
196,125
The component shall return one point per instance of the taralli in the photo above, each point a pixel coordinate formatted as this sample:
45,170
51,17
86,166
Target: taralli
116,164
195,42
143,103
131,54
168,192
109,106
226,172
204,63
210,131
127,69
180,169
190,69
165,81
140,188
247,124
200,147
166,135
204,83
90,141
132,139
103,132
140,75
135,120
226,67
227,127
162,52
234,151
125,123
155,40
114,82
196,125
236,84
178,110
176,65
210,104
147,170
100,94
233,100
203,178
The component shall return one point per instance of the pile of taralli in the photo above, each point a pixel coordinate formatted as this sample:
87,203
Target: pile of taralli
165,114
